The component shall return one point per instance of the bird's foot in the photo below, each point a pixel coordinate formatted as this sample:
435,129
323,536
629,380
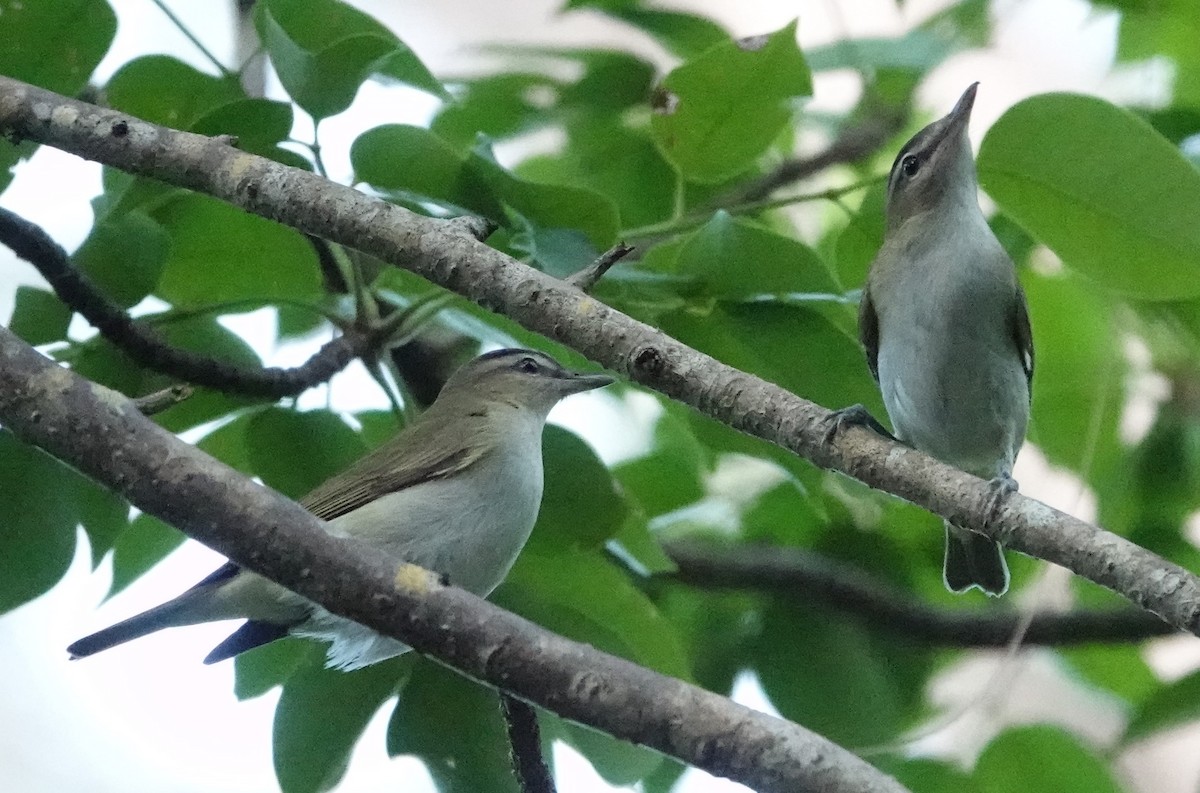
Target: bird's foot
855,415
999,489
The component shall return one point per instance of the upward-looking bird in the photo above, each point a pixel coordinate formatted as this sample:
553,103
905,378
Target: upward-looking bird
457,492
946,330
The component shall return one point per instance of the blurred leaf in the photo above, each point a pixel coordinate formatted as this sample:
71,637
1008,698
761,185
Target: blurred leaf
585,597
722,109
621,164
39,317
53,45
495,105
294,452
259,670
1050,162
638,548
320,716
868,701
792,346
124,255
1115,669
930,776
1164,29
259,126
240,255
918,50
580,504
323,50
143,544
1062,765
455,727
38,515
400,157
1078,383
670,475
1170,706
861,239
557,252
164,90
684,35
737,259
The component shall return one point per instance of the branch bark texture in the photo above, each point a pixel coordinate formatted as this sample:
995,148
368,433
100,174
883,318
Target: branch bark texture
101,433
449,253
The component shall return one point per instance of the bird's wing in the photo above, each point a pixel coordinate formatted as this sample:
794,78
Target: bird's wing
868,330
1023,336
408,459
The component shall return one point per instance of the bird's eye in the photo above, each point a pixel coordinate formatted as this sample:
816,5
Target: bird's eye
910,165
528,366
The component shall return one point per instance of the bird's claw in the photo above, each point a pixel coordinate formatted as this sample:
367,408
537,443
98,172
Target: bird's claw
999,489
854,415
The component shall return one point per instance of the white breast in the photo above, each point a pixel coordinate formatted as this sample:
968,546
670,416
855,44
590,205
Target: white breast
469,528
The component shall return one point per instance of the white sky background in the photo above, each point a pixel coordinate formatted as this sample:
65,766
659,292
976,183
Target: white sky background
148,716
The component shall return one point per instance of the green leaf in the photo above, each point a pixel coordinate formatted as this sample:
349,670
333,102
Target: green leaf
862,238
736,259
53,45
39,317
1053,163
684,35
495,105
454,726
258,124
621,164
930,776
1170,706
548,205
1079,382
259,670
219,252
401,157
124,255
795,347
319,718
143,544
580,503
1063,766
670,475
38,515
294,452
917,51
584,596
721,110
323,50
163,90
1119,670
854,689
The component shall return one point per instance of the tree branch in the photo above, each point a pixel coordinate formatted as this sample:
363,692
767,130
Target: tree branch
102,434
146,347
808,577
449,253
520,718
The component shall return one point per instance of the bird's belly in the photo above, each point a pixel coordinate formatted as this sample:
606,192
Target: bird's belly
943,400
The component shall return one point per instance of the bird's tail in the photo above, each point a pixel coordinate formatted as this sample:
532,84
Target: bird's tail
180,611
973,560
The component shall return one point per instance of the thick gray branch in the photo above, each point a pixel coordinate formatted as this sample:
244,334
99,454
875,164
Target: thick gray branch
102,434
448,253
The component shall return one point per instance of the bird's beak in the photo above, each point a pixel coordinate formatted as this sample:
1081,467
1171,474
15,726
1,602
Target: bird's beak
577,382
958,118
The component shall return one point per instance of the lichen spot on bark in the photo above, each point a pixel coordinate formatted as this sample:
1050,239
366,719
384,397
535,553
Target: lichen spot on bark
410,578
64,115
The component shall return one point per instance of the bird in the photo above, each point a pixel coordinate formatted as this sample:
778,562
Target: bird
457,491
945,325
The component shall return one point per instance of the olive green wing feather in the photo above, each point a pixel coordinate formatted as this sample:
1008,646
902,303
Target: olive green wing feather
421,453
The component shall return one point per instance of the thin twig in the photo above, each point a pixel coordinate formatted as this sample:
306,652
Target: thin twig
586,278
808,577
159,401
196,42
143,344
525,740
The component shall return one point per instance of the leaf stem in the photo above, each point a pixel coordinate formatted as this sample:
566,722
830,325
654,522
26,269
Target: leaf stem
688,222
225,72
